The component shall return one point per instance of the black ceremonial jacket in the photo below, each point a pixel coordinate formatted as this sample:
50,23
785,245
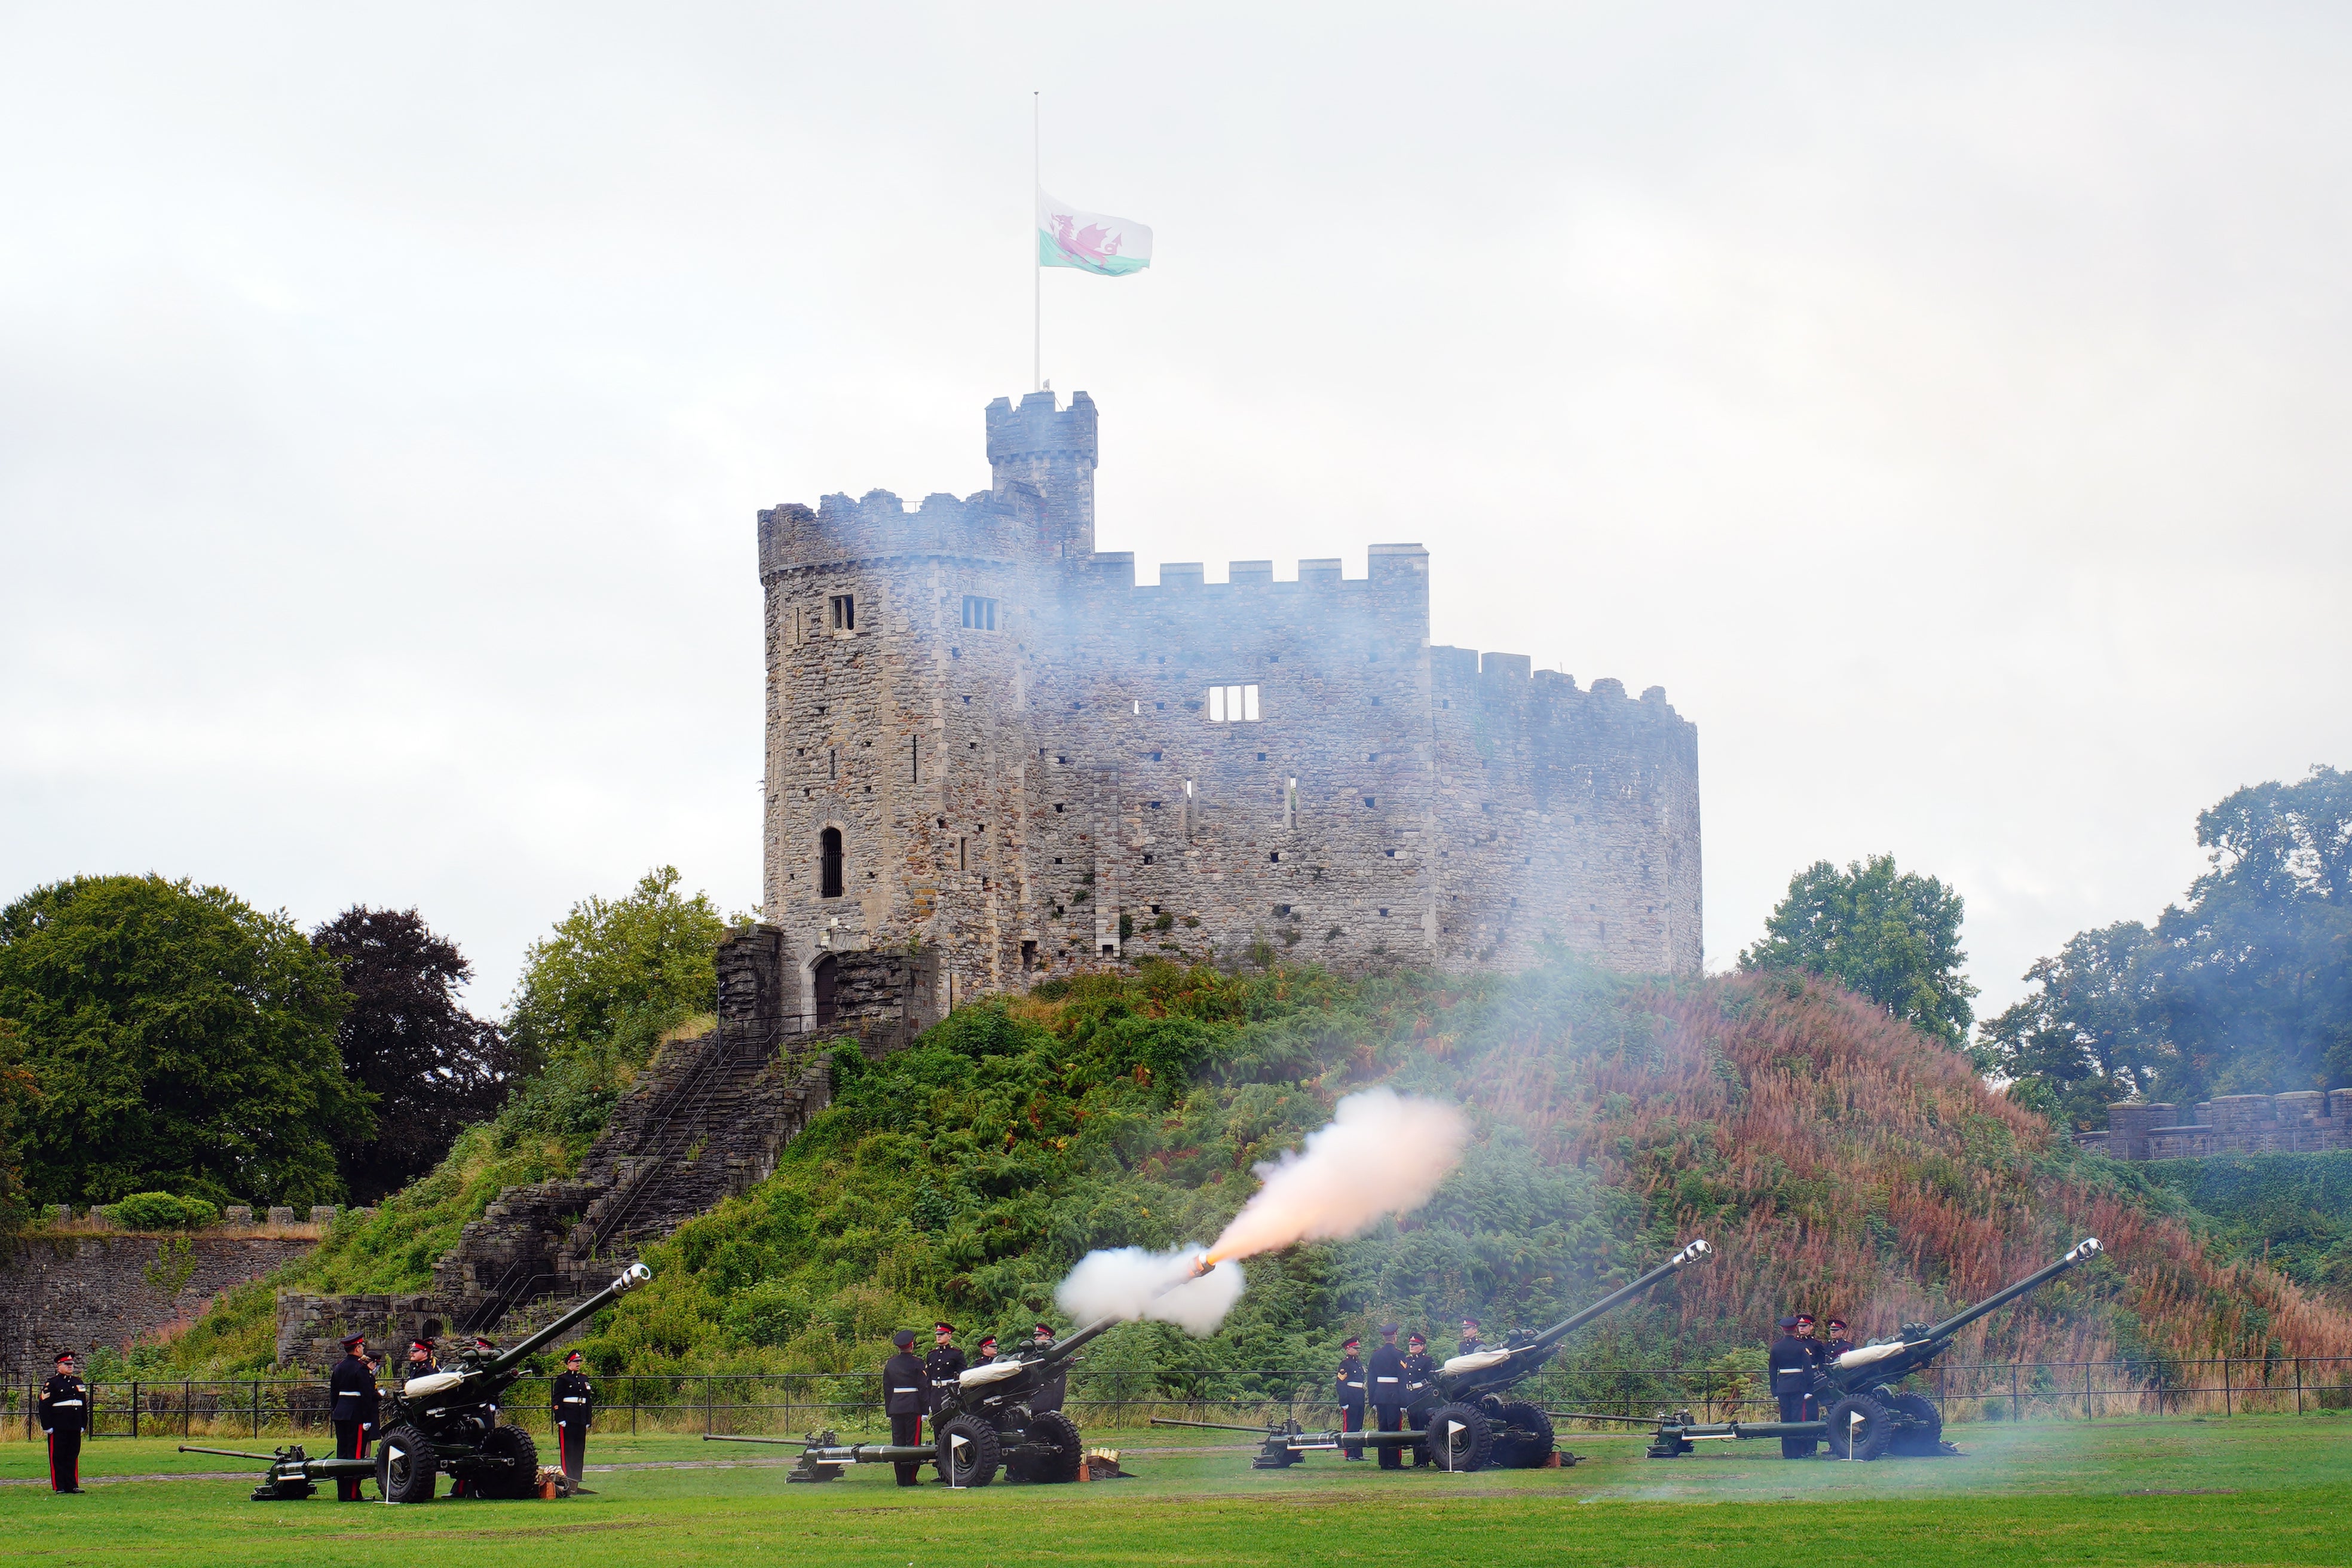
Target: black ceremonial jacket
351,1387
1352,1382
1420,1374
906,1387
572,1400
65,1405
1387,1367
1790,1365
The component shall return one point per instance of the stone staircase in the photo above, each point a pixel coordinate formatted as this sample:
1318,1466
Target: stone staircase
706,1120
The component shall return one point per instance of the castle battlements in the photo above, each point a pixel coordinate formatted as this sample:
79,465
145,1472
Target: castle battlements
989,745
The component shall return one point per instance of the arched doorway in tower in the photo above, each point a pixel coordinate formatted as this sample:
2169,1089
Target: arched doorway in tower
822,973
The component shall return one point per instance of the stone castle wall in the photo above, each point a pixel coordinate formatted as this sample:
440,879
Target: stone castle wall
1046,790
80,1292
2301,1122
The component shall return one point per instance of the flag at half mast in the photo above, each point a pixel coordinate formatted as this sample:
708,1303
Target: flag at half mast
1091,242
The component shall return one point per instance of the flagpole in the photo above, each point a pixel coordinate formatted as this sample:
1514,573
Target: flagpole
1036,257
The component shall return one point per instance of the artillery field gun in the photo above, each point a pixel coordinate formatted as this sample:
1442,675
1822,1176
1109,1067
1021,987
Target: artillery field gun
984,1424
1865,1416
293,1475
1462,1420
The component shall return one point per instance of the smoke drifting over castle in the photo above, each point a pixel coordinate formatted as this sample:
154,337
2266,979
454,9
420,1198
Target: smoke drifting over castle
993,757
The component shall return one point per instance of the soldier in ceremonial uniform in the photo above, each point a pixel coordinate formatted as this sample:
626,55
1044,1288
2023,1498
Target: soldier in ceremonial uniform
906,1399
420,1358
984,1352
1791,1366
351,1389
1835,1343
1420,1375
1055,1389
1386,1369
571,1406
65,1417
1352,1384
1469,1337
370,1402
945,1363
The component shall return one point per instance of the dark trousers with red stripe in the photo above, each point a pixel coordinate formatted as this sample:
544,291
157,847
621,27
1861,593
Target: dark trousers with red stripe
1351,1419
572,1446
65,1461
350,1443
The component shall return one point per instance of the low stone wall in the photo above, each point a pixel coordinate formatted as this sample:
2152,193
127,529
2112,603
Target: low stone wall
62,1289
312,1329
2305,1121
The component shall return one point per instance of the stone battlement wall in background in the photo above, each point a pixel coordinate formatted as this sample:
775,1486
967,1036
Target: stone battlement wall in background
2303,1122
62,1290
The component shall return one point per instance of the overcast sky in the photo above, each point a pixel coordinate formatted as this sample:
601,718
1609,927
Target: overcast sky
1949,410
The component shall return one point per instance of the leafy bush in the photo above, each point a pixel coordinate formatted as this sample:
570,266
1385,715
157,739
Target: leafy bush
159,1211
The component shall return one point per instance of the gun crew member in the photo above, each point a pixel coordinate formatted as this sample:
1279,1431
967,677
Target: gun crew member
1387,1370
984,1352
1836,1344
1469,1337
1791,1366
1352,1382
65,1417
420,1358
571,1405
1055,1389
351,1389
371,1402
906,1399
946,1362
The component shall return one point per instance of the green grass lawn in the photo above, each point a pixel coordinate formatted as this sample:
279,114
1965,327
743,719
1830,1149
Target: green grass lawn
2251,1491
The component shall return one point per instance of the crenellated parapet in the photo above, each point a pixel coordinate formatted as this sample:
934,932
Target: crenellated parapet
992,525
2299,1122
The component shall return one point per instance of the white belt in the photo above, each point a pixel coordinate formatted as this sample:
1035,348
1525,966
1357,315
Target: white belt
1355,1386
1384,1380
573,1399
1790,1369
65,1403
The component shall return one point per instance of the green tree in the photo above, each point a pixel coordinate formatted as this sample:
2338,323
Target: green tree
2081,1039
1892,937
616,972
17,1092
179,1040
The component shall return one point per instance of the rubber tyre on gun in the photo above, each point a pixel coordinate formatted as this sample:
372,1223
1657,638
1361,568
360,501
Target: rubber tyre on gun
1924,1438
1523,1440
518,1478
973,1461
1859,1429
1458,1438
403,1466
1058,1432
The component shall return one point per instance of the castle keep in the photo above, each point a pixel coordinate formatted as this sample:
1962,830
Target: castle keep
991,756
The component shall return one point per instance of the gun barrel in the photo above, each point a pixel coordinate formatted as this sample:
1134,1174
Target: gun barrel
1211,1426
2086,1247
228,1452
1616,1299
1070,1344
628,1280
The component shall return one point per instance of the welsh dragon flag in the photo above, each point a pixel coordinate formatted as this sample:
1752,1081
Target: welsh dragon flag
1091,242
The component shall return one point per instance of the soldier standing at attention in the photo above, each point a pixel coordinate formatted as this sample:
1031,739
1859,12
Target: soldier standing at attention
1791,1367
571,1405
1469,1336
1388,1393
945,1363
1055,1389
984,1352
420,1358
1351,1383
1836,1344
349,1390
370,1402
1420,1367
65,1417
906,1397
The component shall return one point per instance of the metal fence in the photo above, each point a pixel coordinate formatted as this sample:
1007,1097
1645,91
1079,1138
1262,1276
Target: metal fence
850,1402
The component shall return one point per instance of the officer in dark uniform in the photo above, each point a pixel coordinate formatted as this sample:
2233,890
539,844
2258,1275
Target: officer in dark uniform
571,1406
65,1417
1469,1337
1055,1389
1352,1382
1791,1365
1387,1376
370,1402
906,1399
1835,1343
1420,1378
946,1362
420,1358
984,1352
349,1390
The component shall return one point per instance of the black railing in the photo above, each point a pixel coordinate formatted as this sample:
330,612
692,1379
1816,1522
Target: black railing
782,1402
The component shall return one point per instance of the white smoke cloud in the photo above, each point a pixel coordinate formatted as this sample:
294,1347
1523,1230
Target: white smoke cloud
1384,1154
1131,1282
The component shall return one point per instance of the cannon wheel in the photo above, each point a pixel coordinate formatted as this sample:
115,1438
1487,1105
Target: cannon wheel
1923,1437
971,1462
519,1477
1859,1427
1057,1431
403,1466
1524,1439
1459,1437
